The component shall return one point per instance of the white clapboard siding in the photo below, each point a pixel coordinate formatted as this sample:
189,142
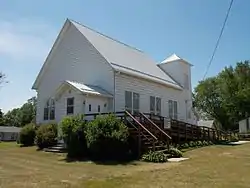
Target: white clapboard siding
73,59
146,89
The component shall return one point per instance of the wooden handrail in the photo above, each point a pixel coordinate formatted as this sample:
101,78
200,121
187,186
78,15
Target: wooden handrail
156,126
130,115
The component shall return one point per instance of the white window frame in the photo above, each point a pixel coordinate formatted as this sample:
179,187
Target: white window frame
173,109
134,96
70,106
153,108
50,107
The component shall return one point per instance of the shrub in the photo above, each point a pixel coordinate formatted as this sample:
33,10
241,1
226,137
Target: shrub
174,152
192,144
233,138
46,135
27,135
210,142
155,157
72,128
107,138
185,146
205,143
199,143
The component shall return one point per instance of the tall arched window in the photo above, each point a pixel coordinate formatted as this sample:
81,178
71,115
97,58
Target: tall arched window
49,110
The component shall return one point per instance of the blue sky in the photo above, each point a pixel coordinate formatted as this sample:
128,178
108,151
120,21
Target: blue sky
188,28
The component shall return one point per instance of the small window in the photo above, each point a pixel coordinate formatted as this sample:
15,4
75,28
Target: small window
89,107
128,100
46,111
136,102
170,109
158,106
152,105
52,109
70,105
99,108
175,110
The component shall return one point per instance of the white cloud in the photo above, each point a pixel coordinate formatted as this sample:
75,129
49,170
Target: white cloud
24,39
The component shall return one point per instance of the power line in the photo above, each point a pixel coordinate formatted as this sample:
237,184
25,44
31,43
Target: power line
218,41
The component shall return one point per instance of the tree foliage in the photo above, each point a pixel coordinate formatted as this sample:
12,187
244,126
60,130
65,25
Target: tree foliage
226,96
21,116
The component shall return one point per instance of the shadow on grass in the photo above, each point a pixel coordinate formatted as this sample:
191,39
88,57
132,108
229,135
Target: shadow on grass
129,161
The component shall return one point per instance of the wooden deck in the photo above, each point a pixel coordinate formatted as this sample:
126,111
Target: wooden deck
153,132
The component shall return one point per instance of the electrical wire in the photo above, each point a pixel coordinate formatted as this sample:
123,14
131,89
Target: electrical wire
218,41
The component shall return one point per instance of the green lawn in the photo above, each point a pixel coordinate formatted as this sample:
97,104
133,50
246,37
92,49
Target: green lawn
210,167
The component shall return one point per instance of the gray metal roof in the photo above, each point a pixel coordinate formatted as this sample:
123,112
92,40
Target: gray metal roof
125,58
89,89
9,129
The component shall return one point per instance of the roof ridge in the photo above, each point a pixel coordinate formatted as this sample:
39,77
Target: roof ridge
116,40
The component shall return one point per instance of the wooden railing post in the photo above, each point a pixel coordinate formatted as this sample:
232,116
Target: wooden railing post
139,141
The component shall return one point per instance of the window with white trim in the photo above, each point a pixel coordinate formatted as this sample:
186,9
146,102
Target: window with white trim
136,102
70,105
172,109
49,110
155,105
132,101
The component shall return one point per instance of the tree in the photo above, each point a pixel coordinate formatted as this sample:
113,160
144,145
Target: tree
21,116
226,97
1,118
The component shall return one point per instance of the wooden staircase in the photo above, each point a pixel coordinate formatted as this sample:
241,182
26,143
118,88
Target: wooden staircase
147,135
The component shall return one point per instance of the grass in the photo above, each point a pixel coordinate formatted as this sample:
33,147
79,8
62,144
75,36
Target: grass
213,166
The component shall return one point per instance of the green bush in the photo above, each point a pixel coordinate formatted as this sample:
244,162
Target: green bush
199,143
192,144
205,143
72,128
210,142
233,138
46,136
27,135
155,157
107,138
184,146
174,152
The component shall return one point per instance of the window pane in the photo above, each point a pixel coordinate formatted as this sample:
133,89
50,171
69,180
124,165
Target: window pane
152,104
158,106
136,101
46,113
52,113
70,101
89,107
128,100
170,108
99,108
70,110
175,110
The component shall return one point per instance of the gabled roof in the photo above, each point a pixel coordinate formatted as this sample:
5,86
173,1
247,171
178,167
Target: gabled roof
173,58
125,58
84,88
120,56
